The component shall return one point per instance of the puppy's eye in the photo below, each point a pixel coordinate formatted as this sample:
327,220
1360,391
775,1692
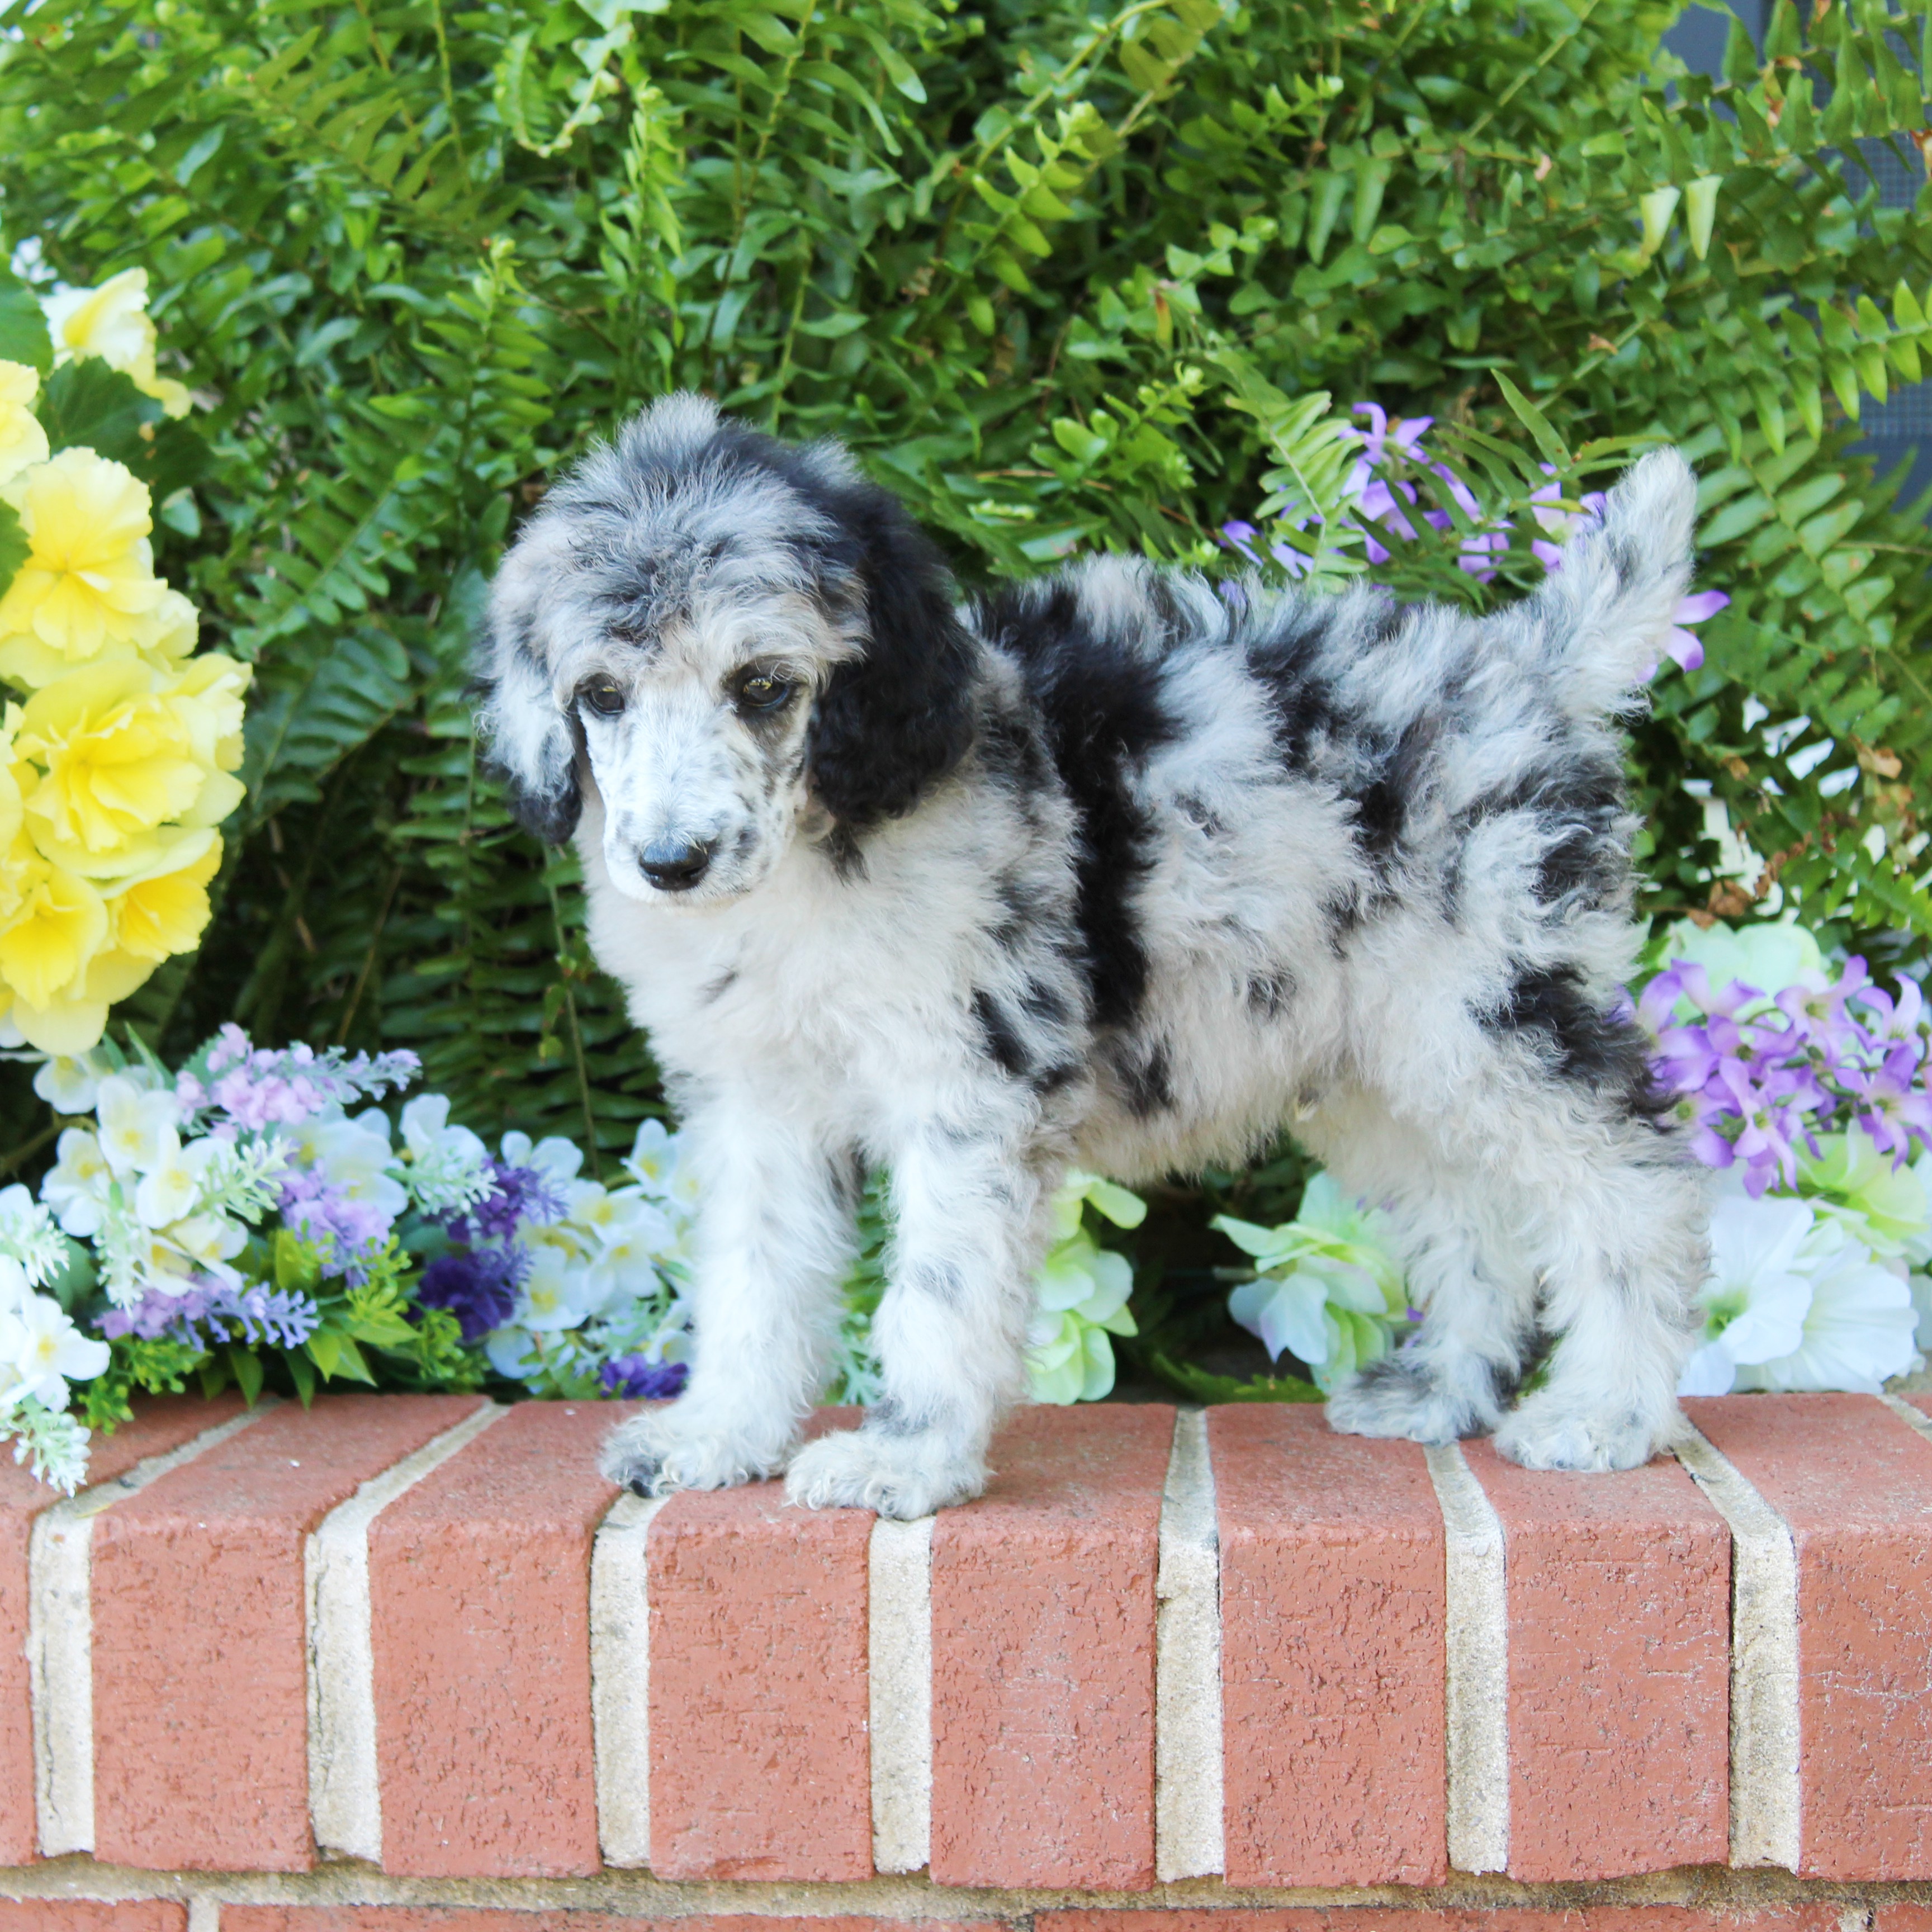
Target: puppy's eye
762,690
603,697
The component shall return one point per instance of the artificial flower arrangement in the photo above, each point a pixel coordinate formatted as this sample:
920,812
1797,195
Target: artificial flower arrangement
118,763
254,1213
1805,1089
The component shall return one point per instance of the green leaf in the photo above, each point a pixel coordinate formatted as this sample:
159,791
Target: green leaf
247,1370
85,405
23,328
1533,419
1212,1389
14,546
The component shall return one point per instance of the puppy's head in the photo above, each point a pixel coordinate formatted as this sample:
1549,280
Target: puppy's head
731,637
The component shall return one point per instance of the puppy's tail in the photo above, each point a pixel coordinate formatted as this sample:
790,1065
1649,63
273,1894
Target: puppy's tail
1598,623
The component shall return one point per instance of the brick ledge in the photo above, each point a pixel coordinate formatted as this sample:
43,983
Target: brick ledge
421,1634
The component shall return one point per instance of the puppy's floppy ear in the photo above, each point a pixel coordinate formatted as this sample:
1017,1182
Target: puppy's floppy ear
897,719
530,743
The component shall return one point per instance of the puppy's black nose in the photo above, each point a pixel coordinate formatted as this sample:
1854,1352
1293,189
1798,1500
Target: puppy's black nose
672,866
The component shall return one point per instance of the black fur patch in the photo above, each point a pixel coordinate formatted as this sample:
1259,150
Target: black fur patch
1606,1054
551,813
1146,1081
1104,718
1268,994
998,1039
1301,705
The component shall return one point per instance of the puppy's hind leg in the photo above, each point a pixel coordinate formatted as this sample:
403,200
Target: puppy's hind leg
971,1223
1465,1271
774,1234
1623,1232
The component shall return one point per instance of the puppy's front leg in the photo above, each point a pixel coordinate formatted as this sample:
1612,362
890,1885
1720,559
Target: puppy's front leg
971,1218
775,1235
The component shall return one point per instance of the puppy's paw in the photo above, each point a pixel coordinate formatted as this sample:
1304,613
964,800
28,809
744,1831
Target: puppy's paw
1410,1397
668,1449
1544,1434
901,1476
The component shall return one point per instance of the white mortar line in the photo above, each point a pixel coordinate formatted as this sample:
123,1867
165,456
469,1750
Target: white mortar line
1188,1836
60,1640
204,1913
899,1669
620,1680
1904,1411
1477,1636
1765,1809
345,1802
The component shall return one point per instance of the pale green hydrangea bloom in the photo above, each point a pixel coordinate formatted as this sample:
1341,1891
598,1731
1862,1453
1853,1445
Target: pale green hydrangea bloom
1327,1287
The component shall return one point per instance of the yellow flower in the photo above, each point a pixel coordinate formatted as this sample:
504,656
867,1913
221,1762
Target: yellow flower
164,637
154,918
117,762
10,795
22,440
89,575
51,924
111,322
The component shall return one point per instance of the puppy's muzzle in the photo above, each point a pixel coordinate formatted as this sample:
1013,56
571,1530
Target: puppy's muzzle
675,865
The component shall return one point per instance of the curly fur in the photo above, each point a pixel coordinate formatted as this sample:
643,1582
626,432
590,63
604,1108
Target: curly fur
1112,868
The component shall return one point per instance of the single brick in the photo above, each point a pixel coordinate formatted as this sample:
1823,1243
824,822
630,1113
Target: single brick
1043,1656
1619,1591
1805,1917
1332,1653
761,1763
89,1914
200,1638
479,1585
159,1424
1854,1482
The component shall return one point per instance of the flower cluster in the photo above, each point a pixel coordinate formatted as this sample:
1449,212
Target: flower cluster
1761,1076
41,1351
572,1287
1082,1295
119,766
1326,1288
1805,1089
1384,500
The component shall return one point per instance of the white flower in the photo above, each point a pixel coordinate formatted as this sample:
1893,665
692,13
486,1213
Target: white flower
134,1121
661,1163
555,1294
69,1083
555,1158
632,1243
513,1354
354,1156
171,1184
448,1166
1755,1301
76,1187
42,1351
1858,1331
16,1290
27,1236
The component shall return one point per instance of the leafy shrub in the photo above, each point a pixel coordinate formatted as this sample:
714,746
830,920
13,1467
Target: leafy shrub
1065,279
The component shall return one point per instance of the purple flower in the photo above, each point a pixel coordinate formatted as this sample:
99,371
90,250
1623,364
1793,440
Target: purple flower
635,1378
347,1234
520,1194
209,1312
477,1286
1890,1109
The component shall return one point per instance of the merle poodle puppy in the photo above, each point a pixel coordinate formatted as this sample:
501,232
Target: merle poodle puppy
1114,868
